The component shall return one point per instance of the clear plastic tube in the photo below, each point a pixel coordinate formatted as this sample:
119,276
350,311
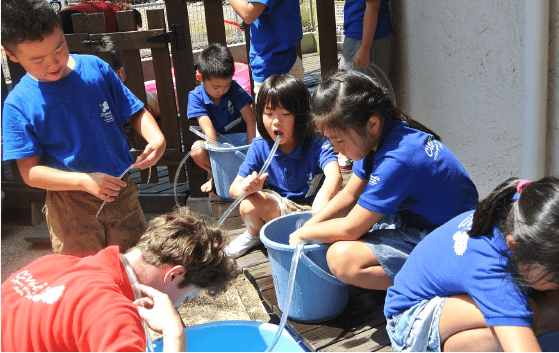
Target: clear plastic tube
244,193
137,295
290,285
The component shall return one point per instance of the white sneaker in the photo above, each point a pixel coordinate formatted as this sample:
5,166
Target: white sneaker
241,245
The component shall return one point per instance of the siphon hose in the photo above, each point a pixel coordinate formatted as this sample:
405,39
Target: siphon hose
244,193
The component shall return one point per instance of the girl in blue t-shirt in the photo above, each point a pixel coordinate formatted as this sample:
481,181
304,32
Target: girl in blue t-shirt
295,173
465,286
405,182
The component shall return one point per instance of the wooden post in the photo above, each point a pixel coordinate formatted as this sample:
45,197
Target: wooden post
185,78
326,18
213,10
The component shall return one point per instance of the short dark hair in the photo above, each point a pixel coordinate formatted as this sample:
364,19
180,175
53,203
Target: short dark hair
26,20
290,93
216,61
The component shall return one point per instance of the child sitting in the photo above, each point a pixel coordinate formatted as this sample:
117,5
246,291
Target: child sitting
295,172
220,104
466,286
405,182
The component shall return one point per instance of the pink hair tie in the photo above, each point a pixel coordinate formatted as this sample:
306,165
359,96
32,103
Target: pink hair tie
522,183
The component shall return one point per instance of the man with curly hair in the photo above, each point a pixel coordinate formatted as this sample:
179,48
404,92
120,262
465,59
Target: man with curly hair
68,303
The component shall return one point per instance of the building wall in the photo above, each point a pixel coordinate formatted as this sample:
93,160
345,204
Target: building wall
458,67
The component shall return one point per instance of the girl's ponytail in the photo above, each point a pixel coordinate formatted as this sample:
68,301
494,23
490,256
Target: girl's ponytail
493,208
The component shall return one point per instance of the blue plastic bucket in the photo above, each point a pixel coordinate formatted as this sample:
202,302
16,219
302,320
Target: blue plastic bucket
225,162
235,336
317,295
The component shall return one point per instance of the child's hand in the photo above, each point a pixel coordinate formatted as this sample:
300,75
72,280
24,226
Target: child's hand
103,186
152,153
294,238
252,183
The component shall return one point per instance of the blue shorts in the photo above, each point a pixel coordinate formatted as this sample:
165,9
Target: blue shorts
392,242
417,329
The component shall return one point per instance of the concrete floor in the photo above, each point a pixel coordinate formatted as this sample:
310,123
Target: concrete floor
239,302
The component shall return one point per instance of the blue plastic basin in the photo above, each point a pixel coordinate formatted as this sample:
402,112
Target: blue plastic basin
225,162
235,336
317,295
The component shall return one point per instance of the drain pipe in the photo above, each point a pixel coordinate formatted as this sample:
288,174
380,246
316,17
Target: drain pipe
536,49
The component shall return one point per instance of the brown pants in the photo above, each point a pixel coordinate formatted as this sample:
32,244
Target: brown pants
74,229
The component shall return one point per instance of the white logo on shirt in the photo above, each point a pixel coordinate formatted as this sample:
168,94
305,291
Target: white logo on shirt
106,113
460,242
230,108
373,180
432,147
28,287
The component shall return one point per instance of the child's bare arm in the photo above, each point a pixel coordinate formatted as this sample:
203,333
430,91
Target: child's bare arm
251,184
249,11
101,185
330,187
207,126
144,123
250,120
517,338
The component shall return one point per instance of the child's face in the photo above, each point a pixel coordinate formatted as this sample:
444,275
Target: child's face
279,121
536,277
349,143
216,87
45,60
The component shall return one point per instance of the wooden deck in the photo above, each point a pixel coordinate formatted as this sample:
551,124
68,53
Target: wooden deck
361,327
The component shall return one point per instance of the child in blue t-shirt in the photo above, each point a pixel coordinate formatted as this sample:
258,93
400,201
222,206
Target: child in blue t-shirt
295,172
465,286
405,183
62,123
220,104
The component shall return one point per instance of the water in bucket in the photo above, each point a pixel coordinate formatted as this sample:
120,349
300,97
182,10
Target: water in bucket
317,295
235,336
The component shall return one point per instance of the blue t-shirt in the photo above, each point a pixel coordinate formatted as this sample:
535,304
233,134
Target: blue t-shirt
416,177
273,36
290,175
354,11
73,124
449,262
226,118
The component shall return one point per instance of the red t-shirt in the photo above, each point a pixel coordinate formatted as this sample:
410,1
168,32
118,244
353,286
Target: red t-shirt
107,8
66,303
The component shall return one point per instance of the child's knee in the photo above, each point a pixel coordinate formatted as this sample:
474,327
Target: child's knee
339,259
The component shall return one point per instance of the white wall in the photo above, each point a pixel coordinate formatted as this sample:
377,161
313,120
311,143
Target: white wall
458,68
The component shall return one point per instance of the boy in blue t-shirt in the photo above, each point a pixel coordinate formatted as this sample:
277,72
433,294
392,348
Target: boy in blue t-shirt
220,104
63,124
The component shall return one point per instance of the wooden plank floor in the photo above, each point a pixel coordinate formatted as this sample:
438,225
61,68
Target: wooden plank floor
361,327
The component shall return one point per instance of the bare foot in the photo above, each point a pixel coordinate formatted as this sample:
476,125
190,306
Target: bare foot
208,186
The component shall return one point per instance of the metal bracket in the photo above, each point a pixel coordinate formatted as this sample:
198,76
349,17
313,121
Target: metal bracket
99,42
175,36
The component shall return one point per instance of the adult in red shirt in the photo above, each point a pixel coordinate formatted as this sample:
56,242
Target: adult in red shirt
105,7
67,303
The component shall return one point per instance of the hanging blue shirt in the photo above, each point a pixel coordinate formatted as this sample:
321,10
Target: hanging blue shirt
449,262
290,175
416,177
273,38
226,117
354,11
73,124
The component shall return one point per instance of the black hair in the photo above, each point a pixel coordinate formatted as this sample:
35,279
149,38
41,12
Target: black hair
217,61
138,18
292,95
24,20
347,99
532,220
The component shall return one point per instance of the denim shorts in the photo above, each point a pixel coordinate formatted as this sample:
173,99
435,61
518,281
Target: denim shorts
417,329
392,242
